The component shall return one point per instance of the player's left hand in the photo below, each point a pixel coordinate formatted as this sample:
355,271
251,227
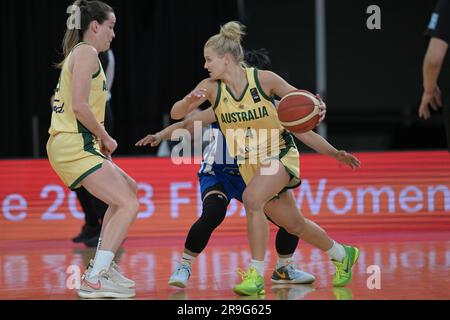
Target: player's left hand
322,108
348,159
153,139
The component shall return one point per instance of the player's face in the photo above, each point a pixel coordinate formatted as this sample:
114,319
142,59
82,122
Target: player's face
106,32
215,65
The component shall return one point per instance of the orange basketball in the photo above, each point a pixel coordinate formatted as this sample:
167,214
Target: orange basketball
298,111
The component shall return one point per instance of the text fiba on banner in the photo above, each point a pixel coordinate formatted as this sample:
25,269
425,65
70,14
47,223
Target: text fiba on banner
313,197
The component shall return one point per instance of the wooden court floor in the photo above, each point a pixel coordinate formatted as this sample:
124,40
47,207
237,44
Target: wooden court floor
411,265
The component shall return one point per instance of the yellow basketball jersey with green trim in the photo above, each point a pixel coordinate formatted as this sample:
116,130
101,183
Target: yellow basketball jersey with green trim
249,122
63,117
251,127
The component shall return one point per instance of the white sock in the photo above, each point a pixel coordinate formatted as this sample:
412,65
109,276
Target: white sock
281,262
99,244
337,252
258,265
102,261
187,258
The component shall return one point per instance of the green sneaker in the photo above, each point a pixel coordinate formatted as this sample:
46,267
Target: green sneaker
252,283
343,274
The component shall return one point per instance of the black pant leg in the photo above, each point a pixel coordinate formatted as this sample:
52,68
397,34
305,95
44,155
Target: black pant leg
92,207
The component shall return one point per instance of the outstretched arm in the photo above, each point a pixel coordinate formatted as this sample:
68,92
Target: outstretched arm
206,117
319,144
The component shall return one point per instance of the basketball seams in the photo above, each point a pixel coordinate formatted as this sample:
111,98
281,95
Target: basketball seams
298,114
303,120
296,93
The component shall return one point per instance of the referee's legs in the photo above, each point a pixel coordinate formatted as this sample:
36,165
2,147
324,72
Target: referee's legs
447,121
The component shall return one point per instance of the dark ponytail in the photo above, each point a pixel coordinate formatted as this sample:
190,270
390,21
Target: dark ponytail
258,58
89,11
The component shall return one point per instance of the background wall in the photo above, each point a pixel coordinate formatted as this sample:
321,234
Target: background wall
392,191
374,77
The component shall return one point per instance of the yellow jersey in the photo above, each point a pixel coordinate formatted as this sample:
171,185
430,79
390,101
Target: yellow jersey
63,117
252,129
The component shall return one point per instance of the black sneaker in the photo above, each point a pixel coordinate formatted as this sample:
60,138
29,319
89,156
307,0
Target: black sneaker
87,232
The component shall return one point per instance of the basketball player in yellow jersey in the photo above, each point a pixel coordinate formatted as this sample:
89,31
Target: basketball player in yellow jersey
242,100
79,148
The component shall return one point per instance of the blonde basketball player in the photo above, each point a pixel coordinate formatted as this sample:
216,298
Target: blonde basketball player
79,148
242,99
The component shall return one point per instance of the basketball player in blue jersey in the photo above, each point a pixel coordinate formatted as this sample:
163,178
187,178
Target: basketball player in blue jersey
242,100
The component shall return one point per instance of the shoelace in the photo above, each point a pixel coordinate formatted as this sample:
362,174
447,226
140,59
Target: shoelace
114,266
184,267
106,274
291,267
244,274
340,272
91,265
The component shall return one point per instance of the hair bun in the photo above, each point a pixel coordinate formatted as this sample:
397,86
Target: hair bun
233,30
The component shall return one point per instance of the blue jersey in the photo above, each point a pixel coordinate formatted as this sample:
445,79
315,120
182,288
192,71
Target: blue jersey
216,155
219,168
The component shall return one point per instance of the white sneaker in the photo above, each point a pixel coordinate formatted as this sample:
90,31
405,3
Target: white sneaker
181,275
119,278
114,274
102,286
290,274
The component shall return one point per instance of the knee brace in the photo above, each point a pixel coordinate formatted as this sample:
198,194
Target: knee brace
214,211
285,242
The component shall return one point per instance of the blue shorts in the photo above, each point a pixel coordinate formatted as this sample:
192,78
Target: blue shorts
228,180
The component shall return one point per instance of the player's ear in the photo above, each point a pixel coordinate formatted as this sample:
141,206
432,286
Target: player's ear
94,26
227,59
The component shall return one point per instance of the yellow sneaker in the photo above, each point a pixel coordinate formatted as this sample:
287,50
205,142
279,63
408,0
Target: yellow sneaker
252,283
343,274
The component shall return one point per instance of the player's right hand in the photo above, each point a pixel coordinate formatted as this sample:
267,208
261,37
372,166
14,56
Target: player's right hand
322,108
196,95
153,139
347,158
109,145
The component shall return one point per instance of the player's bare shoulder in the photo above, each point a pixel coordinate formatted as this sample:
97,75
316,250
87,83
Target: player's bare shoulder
211,87
84,53
267,78
268,81
85,50
208,83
